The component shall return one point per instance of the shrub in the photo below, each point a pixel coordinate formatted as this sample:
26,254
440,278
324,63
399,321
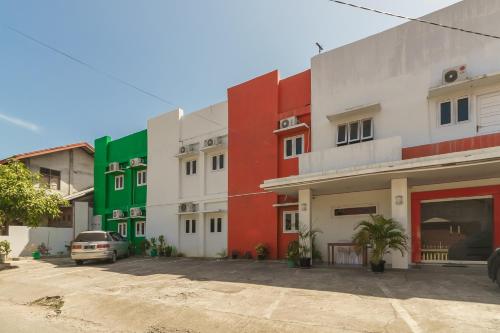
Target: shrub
292,252
5,247
262,251
235,254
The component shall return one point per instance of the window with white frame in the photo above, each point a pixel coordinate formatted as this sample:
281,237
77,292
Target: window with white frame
141,178
454,111
191,167
122,229
217,162
290,221
140,228
190,226
119,182
293,146
355,132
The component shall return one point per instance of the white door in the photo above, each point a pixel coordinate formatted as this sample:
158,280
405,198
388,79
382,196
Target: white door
488,113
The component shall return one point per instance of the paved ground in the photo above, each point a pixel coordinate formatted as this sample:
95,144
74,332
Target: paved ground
189,295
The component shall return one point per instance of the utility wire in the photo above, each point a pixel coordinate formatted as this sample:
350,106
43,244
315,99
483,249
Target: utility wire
104,73
89,66
415,19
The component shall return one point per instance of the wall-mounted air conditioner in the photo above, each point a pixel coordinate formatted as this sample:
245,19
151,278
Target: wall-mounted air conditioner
114,166
135,162
287,122
187,149
187,207
218,140
135,212
117,214
455,74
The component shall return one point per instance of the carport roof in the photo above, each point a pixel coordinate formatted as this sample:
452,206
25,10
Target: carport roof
467,165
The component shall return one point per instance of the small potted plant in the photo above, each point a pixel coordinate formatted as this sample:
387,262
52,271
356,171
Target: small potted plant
161,245
382,235
168,251
292,253
262,251
145,245
235,254
154,247
4,251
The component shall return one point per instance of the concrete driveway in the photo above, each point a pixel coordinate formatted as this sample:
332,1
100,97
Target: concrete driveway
191,295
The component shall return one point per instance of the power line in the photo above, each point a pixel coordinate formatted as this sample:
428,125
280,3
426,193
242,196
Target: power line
415,19
104,73
89,66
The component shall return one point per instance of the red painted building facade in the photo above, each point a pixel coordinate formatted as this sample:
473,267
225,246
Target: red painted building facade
258,151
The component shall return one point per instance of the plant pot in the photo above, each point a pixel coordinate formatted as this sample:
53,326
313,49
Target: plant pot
261,257
154,253
305,262
291,263
378,268
3,258
36,255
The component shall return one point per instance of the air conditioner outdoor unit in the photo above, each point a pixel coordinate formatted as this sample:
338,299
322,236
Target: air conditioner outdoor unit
135,212
287,122
455,74
117,214
114,166
213,141
135,162
187,149
187,207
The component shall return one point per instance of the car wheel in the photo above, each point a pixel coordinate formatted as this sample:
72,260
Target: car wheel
498,276
113,258
79,262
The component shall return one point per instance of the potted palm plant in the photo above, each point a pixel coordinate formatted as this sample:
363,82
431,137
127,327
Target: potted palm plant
381,234
306,239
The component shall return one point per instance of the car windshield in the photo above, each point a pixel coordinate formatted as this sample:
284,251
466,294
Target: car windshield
91,237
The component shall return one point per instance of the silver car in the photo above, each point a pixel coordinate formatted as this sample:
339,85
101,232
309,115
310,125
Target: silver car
90,245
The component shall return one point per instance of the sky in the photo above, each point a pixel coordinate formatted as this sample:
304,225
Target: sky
188,52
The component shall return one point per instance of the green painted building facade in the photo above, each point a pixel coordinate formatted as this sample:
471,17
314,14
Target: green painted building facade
120,178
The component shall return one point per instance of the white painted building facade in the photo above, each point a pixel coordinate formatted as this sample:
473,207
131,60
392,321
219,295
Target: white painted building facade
187,172
377,97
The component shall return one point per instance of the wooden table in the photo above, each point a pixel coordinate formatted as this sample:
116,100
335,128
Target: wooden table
331,252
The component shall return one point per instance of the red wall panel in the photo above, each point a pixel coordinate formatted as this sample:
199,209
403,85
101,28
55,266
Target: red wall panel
256,154
452,146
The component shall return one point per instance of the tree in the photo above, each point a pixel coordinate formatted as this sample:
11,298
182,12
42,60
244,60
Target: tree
24,198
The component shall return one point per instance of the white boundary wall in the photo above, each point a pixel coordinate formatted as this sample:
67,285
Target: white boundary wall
24,240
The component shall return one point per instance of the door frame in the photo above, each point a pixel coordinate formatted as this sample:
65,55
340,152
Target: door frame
418,197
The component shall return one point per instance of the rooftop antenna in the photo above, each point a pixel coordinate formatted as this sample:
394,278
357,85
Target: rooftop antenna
320,48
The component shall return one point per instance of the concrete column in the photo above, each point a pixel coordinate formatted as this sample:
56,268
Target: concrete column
202,172
201,231
305,218
399,212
